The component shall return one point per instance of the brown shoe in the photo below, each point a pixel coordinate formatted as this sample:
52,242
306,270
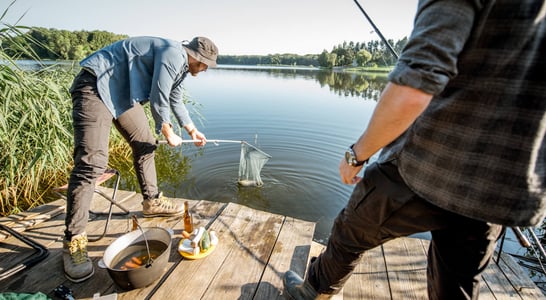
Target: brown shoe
77,265
161,207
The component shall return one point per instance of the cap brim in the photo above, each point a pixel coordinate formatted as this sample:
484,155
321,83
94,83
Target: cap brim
199,57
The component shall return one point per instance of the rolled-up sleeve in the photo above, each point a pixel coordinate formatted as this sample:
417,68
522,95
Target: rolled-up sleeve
429,60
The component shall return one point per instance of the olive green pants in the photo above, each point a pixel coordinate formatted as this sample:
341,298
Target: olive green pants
382,208
92,122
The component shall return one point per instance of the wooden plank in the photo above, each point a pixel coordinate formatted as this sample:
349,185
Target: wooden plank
42,277
102,205
406,267
485,292
25,220
191,278
13,251
118,224
51,234
369,280
203,212
253,246
101,282
316,250
521,281
291,252
498,284
239,230
255,250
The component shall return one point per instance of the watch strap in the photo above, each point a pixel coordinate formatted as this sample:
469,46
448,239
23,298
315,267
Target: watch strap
358,163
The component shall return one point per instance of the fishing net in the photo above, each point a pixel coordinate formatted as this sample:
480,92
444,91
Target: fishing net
251,163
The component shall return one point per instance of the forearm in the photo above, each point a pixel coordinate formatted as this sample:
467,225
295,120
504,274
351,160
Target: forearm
190,128
167,130
398,107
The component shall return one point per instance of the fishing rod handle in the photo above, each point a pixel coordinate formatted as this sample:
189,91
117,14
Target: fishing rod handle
523,241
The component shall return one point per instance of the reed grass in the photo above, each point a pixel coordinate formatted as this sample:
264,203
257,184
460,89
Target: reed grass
35,127
36,137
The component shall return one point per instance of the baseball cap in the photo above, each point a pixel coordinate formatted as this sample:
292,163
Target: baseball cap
203,50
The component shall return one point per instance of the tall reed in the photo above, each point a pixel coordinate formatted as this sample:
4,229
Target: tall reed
36,137
35,125
34,122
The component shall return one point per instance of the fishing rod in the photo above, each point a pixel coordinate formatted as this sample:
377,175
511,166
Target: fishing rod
377,30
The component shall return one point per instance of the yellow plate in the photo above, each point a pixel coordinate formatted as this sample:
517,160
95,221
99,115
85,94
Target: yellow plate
185,245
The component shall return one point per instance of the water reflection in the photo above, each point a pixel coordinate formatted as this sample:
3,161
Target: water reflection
367,85
304,118
349,84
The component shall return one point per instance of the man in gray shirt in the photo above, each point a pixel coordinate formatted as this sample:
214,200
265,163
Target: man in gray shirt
114,83
462,124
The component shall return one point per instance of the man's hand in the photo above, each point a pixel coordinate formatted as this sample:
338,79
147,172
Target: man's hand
349,173
172,138
197,135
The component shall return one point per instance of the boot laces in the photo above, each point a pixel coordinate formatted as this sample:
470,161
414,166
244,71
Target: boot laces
78,250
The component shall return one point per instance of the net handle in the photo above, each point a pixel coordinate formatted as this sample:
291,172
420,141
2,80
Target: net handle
164,142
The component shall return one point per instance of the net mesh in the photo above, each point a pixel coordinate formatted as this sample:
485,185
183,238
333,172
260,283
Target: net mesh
251,163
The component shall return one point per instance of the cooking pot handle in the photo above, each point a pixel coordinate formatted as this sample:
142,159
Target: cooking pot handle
101,264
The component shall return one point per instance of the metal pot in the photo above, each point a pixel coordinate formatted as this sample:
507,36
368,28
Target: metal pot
125,247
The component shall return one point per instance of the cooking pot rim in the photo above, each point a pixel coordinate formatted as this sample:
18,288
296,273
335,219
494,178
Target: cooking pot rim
152,234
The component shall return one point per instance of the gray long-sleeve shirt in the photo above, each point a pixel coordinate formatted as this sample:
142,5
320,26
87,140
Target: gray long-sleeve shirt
142,69
478,149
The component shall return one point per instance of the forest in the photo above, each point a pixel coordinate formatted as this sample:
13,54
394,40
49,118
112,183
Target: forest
55,44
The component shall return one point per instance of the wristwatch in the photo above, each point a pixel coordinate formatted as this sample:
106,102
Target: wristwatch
350,157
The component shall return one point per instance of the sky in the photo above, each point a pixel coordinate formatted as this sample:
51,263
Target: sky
237,27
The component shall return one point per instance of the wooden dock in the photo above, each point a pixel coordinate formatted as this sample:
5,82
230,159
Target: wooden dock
255,249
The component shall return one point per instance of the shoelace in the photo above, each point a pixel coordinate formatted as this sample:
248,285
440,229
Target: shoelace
166,204
78,251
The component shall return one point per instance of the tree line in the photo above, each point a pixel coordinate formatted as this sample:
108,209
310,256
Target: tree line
57,44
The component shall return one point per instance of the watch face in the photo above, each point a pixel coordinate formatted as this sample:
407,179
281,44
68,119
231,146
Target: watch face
349,157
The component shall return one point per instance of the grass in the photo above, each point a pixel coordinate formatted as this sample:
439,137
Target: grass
34,135
36,128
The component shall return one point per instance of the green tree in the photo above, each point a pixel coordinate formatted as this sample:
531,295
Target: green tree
363,57
323,58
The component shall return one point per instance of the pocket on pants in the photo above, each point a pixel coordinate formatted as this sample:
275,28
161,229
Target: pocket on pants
380,193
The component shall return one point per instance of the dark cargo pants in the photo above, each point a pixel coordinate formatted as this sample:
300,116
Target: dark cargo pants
92,123
382,208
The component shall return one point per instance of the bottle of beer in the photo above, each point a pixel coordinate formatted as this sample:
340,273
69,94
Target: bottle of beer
188,219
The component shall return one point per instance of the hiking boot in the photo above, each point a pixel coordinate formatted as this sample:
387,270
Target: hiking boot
298,289
77,265
161,207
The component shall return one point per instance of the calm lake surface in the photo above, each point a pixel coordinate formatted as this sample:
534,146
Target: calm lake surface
303,118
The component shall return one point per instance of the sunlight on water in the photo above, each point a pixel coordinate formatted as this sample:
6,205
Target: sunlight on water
302,124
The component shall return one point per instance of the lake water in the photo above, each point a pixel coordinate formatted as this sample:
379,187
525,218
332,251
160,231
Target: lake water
303,118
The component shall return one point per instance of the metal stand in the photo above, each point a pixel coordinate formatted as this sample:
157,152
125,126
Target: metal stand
40,254
109,173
